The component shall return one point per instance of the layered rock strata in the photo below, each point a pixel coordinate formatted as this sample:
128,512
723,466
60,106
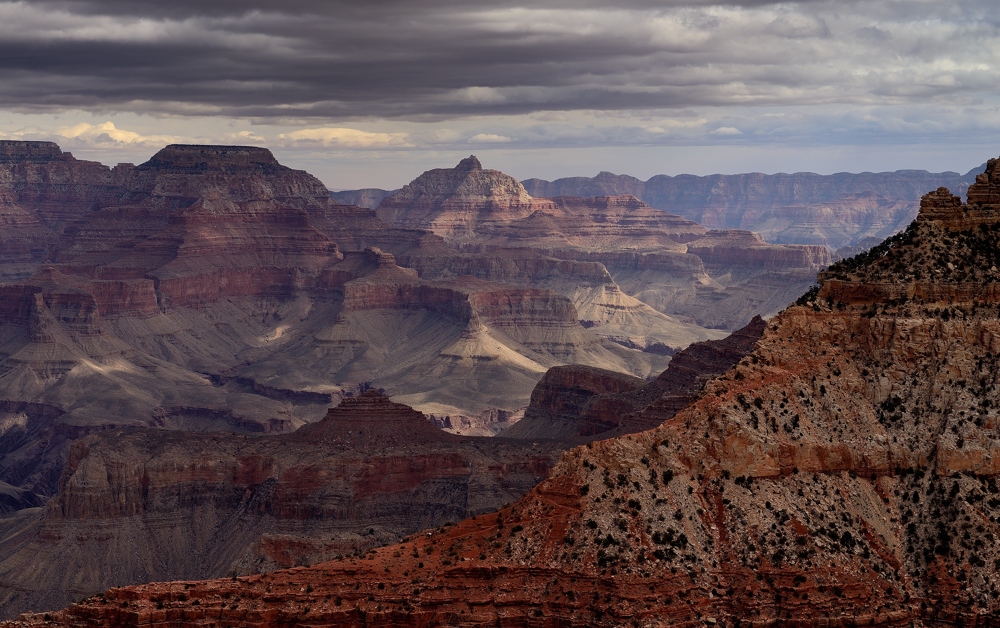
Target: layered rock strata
140,505
843,473
581,404
801,208
673,265
42,192
192,291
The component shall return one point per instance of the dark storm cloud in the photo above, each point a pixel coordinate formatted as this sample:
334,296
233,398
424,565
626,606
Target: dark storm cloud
423,59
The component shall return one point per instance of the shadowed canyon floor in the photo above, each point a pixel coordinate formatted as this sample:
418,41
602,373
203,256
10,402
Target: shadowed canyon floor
843,473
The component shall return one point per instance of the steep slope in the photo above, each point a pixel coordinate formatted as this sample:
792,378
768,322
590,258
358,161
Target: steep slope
42,192
802,208
191,265
581,404
844,473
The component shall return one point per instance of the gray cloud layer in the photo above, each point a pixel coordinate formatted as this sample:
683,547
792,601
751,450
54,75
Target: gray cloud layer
435,59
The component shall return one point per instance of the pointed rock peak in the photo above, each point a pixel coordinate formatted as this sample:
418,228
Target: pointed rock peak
468,182
469,164
986,189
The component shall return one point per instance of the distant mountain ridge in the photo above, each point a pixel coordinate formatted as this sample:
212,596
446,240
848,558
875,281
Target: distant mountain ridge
716,278
801,208
835,210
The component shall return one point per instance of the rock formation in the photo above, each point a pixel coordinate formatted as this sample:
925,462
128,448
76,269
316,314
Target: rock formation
579,403
654,261
455,202
802,208
843,473
42,192
214,288
140,505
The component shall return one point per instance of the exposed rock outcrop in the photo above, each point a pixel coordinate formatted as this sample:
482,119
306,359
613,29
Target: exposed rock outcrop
42,192
580,404
456,202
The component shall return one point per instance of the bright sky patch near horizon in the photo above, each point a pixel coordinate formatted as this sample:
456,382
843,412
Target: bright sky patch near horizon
371,94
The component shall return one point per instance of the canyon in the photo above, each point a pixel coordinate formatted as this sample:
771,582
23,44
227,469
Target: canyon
137,505
213,288
173,334
841,473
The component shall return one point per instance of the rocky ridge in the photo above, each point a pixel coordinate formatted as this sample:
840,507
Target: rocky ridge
580,403
843,473
801,208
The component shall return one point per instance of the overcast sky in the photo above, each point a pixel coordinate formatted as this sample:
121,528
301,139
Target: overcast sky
372,93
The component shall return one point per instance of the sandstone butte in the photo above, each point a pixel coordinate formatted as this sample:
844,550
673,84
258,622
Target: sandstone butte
843,473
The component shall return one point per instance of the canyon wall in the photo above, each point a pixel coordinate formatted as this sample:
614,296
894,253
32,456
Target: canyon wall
715,279
801,208
140,505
